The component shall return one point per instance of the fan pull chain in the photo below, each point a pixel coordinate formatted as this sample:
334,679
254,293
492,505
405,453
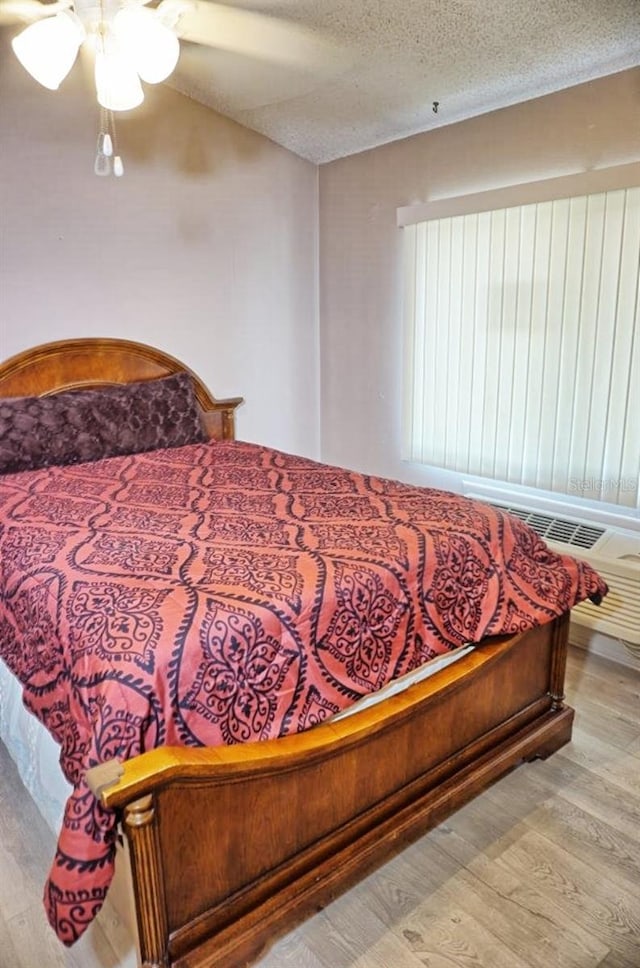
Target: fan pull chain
108,161
118,167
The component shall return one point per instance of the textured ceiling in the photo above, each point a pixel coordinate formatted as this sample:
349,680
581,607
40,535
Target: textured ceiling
328,78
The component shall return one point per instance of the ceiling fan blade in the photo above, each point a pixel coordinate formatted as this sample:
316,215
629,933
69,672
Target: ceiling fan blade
232,83
253,34
28,11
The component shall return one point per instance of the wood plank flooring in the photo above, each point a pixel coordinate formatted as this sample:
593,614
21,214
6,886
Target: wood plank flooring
541,871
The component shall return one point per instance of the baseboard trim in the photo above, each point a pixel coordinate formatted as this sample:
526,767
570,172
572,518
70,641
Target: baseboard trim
603,645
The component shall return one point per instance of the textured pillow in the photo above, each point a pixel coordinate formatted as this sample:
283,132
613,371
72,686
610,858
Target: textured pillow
85,425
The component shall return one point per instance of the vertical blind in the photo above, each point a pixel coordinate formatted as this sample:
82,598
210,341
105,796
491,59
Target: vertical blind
522,349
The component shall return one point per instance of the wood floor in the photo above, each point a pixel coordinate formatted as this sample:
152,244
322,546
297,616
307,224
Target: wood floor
541,871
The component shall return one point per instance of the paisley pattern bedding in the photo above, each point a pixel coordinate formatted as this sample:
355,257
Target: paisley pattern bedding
223,593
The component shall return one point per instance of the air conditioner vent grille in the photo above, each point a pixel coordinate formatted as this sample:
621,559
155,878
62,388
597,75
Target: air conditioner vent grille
556,529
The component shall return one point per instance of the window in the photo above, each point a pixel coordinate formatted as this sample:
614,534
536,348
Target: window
522,350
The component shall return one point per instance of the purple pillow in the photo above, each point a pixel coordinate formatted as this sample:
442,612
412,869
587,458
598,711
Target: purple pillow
85,425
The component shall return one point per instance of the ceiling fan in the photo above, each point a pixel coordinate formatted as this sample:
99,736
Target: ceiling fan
136,41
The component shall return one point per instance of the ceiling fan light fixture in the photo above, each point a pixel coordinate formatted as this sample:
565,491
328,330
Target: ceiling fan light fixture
151,47
117,82
131,44
48,48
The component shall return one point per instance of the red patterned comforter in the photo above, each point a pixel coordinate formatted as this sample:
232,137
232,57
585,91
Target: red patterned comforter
223,593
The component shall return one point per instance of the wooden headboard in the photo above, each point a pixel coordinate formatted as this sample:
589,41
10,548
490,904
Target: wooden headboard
75,364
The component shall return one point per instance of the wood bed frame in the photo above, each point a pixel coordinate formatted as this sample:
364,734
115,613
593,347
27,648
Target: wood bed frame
228,847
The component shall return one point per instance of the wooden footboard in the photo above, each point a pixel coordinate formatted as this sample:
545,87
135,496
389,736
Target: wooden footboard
233,846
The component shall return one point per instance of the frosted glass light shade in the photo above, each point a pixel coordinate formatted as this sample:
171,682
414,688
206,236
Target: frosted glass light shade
48,48
144,40
117,83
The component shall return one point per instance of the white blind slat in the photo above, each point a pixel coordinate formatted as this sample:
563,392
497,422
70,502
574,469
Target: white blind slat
494,283
588,334
570,325
630,461
413,384
624,365
606,332
468,284
477,339
522,341
552,362
455,345
433,426
503,371
535,405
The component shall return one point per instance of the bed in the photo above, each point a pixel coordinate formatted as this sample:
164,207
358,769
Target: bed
232,843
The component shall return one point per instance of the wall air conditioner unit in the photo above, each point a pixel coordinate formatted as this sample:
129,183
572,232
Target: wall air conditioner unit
613,552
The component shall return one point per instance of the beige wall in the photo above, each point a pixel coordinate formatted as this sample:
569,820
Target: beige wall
206,247
590,126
